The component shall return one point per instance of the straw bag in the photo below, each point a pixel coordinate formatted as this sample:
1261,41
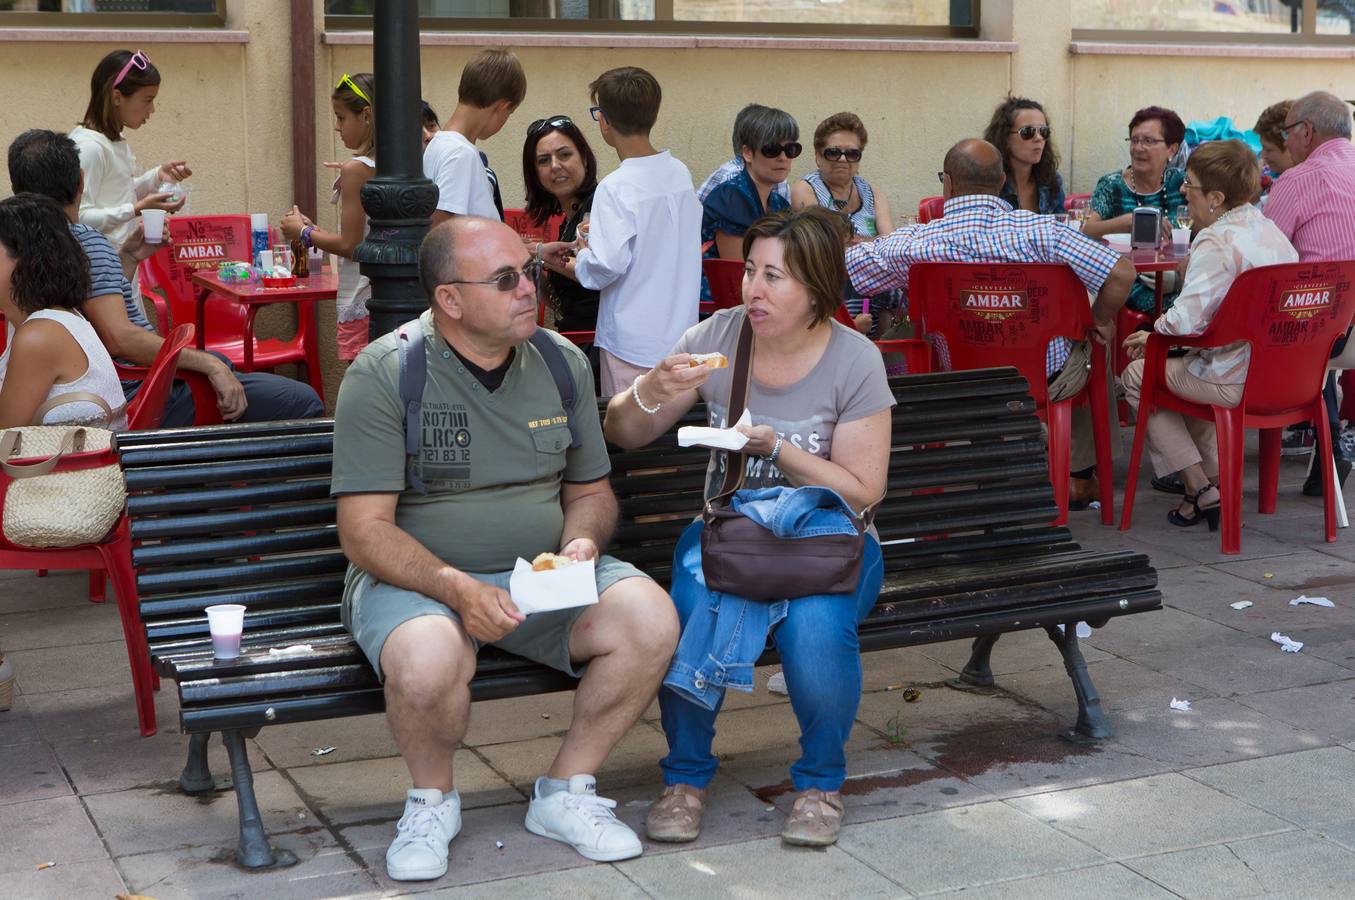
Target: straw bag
69,491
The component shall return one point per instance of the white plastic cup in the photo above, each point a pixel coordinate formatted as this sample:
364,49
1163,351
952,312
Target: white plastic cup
226,621
1180,239
266,260
153,225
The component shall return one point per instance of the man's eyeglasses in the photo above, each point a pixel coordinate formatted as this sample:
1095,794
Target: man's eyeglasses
139,60
348,82
792,149
556,122
1028,132
941,177
1285,129
593,111
833,154
507,282
1149,142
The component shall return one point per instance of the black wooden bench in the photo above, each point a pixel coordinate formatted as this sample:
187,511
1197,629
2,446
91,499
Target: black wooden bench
242,514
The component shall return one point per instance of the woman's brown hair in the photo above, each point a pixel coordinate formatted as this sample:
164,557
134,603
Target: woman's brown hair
843,121
356,104
1229,167
100,115
813,242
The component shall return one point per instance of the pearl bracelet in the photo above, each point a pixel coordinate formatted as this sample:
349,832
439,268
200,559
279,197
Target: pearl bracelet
635,392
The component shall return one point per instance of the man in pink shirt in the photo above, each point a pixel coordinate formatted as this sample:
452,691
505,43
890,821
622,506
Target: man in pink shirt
1314,205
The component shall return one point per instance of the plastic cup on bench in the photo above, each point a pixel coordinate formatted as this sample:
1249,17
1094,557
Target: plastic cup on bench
226,621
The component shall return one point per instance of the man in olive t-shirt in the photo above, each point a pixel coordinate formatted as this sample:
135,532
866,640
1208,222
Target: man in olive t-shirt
428,579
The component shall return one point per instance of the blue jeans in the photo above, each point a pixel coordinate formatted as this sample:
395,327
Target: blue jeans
821,657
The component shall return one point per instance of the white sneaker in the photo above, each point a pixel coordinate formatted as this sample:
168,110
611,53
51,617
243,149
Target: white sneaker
419,851
582,819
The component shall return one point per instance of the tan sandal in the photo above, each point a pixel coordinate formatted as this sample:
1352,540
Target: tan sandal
815,819
675,817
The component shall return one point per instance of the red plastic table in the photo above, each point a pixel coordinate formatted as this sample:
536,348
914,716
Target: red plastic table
1163,259
321,286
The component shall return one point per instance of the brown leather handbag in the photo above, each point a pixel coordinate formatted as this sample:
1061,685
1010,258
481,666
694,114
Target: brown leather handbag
739,556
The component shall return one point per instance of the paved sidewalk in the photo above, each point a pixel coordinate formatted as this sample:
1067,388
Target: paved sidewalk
1247,794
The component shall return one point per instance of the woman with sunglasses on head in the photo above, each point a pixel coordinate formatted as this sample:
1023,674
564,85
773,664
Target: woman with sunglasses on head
839,142
122,95
353,101
1150,179
1020,131
561,174
769,141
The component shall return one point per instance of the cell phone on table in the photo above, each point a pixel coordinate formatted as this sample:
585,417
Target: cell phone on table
1146,228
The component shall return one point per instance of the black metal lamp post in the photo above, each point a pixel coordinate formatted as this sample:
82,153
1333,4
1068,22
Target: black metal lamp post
398,199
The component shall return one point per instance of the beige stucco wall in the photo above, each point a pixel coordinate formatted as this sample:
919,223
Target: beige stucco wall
227,108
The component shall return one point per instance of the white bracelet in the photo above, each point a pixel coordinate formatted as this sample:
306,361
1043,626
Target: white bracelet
635,392
776,449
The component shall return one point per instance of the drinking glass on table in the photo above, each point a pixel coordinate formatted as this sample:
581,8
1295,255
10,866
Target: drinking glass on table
282,257
1183,216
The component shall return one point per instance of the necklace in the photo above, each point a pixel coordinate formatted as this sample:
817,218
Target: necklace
1134,182
843,204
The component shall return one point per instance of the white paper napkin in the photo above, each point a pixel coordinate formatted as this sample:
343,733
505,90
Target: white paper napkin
718,438
535,592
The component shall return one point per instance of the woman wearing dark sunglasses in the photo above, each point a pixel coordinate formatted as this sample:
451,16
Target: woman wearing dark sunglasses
839,142
769,141
561,174
1020,131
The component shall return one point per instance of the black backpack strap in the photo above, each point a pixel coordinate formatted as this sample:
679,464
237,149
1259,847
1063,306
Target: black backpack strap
413,376
564,378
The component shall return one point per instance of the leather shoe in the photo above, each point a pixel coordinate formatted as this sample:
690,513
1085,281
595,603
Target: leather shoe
1169,484
1313,486
1081,492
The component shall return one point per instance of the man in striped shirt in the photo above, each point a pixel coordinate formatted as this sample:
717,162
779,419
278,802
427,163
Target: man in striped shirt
979,227
1314,205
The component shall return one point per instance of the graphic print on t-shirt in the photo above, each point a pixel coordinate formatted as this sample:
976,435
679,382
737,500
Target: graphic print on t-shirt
812,435
445,447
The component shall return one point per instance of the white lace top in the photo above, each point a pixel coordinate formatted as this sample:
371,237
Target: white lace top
99,377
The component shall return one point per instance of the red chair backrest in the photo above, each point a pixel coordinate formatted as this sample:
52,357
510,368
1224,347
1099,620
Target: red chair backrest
200,242
1291,314
147,408
725,277
1000,314
1076,201
929,208
517,220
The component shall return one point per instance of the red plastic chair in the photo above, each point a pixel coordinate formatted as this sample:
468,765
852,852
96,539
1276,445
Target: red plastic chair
1291,315
579,338
1075,201
112,555
993,314
929,208
204,241
1127,321
147,408
917,353
725,277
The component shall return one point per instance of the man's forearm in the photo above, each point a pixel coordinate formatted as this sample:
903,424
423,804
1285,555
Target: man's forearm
391,554
592,517
199,361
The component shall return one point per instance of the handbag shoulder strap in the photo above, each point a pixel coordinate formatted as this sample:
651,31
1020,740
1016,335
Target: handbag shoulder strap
71,441
73,397
740,374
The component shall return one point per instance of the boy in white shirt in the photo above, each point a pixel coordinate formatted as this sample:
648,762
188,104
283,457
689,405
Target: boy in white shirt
492,86
643,249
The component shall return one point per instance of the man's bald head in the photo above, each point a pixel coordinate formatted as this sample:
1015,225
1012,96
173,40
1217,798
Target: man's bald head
438,252
974,167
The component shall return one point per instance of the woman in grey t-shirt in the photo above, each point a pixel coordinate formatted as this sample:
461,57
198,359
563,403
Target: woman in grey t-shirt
820,405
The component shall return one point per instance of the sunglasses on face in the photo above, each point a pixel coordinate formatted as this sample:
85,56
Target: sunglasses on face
139,60
833,154
348,82
1028,132
792,149
507,282
556,122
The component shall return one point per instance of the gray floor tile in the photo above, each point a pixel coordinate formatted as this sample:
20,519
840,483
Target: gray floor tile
31,772
520,718
1305,570
373,790
963,847
39,831
354,737
597,882
635,760
147,820
86,623
99,711
25,592
71,667
1121,683
1326,710
16,724
323,869
1243,666
756,869
1297,864
1017,652
1165,630
121,761
1149,815
733,814
92,878
1075,884
1311,788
